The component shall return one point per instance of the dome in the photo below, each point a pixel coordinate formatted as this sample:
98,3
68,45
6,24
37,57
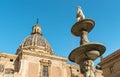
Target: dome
36,42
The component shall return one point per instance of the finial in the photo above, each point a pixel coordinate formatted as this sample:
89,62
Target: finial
80,16
37,21
36,29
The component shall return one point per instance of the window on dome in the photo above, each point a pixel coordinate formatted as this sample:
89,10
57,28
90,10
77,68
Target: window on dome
38,30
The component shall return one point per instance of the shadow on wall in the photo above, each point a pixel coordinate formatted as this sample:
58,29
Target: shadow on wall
74,75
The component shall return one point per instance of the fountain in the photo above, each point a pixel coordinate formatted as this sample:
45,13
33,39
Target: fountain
87,52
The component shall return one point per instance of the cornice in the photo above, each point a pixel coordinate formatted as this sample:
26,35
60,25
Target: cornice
111,57
38,54
6,55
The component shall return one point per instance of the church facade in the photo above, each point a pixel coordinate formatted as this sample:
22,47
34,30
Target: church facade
35,58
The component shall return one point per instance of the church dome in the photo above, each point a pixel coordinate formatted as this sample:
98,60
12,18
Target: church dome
36,42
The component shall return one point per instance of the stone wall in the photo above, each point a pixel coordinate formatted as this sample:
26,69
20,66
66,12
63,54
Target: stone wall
111,65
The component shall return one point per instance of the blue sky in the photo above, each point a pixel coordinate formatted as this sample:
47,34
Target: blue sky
56,17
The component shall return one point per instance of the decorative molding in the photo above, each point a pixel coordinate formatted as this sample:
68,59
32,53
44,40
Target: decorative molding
53,57
110,57
45,62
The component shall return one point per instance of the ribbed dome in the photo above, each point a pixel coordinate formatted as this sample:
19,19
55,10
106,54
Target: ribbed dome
36,42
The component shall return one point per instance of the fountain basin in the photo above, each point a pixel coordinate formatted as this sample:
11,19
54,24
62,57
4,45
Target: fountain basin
85,24
87,51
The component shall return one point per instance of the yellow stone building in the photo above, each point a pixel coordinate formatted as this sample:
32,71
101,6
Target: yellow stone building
35,58
111,65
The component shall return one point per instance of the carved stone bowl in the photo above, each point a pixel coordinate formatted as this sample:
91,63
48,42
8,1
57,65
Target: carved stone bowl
85,24
88,51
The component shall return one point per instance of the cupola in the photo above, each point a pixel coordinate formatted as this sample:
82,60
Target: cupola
36,42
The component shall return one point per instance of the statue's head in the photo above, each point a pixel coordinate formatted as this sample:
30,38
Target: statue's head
78,8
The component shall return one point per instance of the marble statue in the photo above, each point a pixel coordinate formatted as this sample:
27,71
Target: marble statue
80,16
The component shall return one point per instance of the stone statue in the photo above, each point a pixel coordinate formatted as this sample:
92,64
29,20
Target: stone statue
80,16
88,68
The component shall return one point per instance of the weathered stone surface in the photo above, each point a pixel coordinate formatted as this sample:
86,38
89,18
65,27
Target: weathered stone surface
111,65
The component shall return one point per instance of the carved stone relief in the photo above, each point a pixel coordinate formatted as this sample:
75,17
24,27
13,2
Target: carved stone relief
1,68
